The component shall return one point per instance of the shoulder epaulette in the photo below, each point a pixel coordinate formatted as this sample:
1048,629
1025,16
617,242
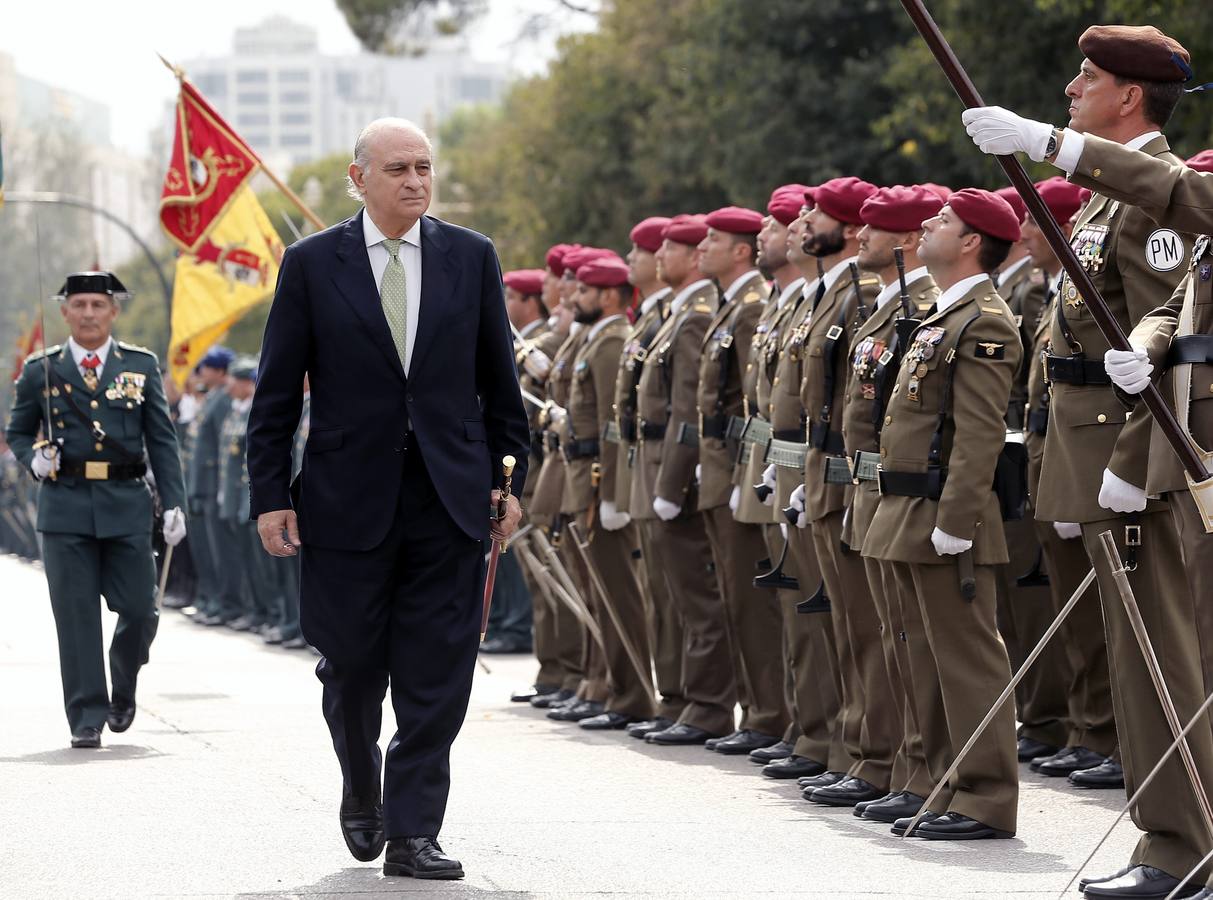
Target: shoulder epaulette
136,348
53,350
752,296
702,306
871,279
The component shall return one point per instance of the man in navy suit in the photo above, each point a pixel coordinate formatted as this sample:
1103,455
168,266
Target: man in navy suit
398,321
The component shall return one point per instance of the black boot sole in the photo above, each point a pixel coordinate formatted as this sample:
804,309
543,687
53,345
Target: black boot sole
399,869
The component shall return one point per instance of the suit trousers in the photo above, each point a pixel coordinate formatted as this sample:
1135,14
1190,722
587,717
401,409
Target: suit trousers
754,620
665,623
707,664
1175,838
406,613
80,569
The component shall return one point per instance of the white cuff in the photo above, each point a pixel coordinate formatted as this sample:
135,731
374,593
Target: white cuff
1070,153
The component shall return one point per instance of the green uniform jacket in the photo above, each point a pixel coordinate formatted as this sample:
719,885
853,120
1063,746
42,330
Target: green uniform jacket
233,493
202,477
130,406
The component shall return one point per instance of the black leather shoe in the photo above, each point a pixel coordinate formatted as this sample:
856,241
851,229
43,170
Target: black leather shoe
546,701
1083,882
505,645
793,767
745,742
87,738
901,805
864,804
764,755
900,826
1140,883
121,714
1108,774
171,602
420,857
240,623
1028,749
825,779
208,619
577,711
847,792
295,643
272,635
712,743
955,827
362,827
1061,764
679,734
532,692
639,729
607,721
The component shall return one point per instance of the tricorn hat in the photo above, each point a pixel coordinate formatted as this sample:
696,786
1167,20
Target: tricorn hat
93,283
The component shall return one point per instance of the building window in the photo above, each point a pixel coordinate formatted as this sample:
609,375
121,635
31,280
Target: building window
475,88
212,85
294,76
295,97
253,120
295,140
295,118
257,140
253,76
253,98
347,83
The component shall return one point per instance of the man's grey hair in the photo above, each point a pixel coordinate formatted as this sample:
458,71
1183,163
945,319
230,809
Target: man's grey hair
362,146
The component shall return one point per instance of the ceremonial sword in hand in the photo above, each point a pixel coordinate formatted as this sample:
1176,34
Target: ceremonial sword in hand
507,467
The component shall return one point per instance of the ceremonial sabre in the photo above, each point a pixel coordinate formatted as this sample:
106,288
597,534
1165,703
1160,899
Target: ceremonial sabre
1163,417
46,365
507,467
168,561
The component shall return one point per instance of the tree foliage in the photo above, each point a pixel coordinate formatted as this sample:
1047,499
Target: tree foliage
390,26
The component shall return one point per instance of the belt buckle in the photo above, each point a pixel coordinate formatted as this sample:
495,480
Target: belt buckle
96,470
879,480
834,332
1132,535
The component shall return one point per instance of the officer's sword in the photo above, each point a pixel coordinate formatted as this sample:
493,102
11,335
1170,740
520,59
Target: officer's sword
46,363
566,590
168,561
1007,692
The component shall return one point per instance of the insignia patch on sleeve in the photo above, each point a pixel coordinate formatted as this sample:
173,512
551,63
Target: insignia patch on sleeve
1164,250
989,350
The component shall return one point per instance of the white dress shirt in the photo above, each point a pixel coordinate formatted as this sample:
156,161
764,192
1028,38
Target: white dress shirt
79,353
653,299
410,258
685,294
789,292
959,289
889,291
1074,143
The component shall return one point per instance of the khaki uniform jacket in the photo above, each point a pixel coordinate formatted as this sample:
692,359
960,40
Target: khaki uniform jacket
631,364
864,406
1025,295
724,357
782,400
548,342
1037,399
591,402
977,336
549,486
667,397
840,313
1087,426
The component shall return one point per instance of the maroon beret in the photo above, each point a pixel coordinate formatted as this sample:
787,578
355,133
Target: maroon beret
735,220
525,281
986,212
810,197
942,190
1084,195
605,271
786,202
646,234
579,256
1202,161
1140,52
842,198
1012,196
555,257
900,208
686,229
1062,197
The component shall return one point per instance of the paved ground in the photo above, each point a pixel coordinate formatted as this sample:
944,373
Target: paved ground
226,786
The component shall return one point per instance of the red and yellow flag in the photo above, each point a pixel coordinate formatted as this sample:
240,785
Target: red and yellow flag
27,344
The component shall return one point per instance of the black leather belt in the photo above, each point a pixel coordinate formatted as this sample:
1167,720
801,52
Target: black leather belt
795,435
1076,369
581,449
98,470
651,431
1194,349
821,438
1038,421
714,427
927,484
627,429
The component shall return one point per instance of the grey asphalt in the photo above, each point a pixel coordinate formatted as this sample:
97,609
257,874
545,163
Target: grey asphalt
226,786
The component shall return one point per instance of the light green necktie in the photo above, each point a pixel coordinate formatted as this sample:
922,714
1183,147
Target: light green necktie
393,295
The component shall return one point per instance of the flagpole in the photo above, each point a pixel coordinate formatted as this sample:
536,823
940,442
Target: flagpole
278,182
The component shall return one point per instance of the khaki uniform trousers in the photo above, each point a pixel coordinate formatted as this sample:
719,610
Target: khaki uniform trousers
593,684
664,624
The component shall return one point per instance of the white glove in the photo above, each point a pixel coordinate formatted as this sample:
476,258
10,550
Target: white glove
1067,531
1000,132
735,499
45,462
946,545
1129,369
796,501
537,364
768,478
665,509
174,526
1119,496
556,415
611,518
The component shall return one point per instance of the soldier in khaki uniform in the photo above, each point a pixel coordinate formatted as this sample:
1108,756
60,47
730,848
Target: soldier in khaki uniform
806,640
727,255
665,629
591,465
892,220
939,520
842,306
665,470
1131,80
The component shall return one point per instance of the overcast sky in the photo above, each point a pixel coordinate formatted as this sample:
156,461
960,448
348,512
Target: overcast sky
107,50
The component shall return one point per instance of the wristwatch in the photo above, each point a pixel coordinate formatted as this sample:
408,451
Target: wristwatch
1051,147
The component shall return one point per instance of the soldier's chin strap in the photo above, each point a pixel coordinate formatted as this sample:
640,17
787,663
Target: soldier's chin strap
1187,70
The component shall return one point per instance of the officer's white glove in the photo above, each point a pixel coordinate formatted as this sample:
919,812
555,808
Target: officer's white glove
1000,132
537,364
1129,369
768,478
735,499
611,518
1067,531
665,509
174,526
556,415
1119,496
796,501
946,545
45,462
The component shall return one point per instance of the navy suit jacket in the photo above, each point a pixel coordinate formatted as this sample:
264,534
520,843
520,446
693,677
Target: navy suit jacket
461,394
